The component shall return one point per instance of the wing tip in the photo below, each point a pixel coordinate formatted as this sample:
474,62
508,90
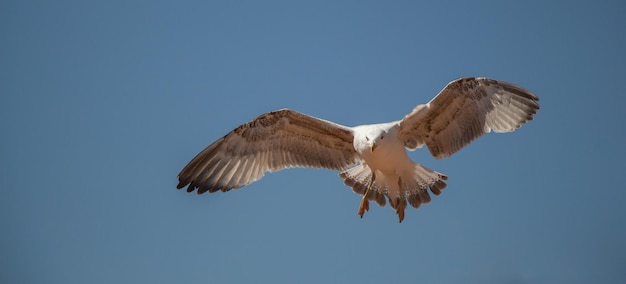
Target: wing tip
182,182
517,89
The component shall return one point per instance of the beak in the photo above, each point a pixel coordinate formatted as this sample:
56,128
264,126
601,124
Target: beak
373,147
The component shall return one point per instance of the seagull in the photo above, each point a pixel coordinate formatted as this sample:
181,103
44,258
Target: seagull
372,159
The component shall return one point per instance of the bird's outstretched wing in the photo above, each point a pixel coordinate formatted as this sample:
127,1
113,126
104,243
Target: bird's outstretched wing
271,142
463,111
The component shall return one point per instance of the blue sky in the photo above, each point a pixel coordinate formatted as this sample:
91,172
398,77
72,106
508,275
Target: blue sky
103,103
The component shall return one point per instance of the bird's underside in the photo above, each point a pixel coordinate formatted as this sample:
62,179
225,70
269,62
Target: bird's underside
371,159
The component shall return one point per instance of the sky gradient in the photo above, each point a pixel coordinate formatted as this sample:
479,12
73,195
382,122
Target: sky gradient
103,103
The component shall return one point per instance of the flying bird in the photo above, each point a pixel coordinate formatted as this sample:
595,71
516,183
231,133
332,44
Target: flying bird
372,158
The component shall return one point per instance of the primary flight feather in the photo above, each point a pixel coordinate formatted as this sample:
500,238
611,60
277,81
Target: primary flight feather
372,158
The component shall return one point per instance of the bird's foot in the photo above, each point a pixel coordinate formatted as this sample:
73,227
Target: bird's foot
400,213
365,204
364,207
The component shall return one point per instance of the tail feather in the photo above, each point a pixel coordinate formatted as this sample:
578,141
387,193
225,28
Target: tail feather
358,177
410,187
419,181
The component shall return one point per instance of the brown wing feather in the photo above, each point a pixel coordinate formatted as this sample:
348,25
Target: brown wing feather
271,142
463,111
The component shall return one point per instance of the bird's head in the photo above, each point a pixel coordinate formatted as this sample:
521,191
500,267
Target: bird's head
369,138
375,138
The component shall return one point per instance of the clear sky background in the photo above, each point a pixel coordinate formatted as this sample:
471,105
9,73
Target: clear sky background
103,103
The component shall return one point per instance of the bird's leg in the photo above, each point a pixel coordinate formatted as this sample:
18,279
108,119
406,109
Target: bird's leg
365,204
401,203
400,211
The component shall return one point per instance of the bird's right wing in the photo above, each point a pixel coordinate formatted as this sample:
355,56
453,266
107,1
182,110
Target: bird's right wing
271,142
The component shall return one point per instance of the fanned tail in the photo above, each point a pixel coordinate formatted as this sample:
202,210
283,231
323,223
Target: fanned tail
409,187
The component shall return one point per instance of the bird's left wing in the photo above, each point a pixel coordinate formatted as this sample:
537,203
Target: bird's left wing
463,111
271,142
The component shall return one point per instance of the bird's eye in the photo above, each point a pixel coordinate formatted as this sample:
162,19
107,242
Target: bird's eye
382,137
